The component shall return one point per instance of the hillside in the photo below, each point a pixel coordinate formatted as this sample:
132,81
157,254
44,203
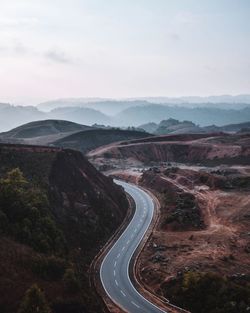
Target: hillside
200,246
56,211
80,115
91,139
216,148
172,126
44,128
42,132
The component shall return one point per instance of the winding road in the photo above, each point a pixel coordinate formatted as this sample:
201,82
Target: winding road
114,270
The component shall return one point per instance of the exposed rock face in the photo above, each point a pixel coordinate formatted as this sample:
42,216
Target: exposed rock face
202,230
197,148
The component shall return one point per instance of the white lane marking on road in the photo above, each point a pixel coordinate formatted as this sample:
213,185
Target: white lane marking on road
123,293
128,242
116,282
123,248
114,272
135,304
118,255
115,264
133,288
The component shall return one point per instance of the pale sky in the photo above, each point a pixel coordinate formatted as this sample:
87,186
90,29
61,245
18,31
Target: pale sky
123,48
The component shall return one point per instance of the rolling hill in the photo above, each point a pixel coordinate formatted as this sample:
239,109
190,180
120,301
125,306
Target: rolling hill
85,141
42,132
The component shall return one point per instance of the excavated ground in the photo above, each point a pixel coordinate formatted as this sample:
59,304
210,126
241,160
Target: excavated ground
220,244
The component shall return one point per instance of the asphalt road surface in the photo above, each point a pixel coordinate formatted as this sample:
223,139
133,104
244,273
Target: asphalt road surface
114,270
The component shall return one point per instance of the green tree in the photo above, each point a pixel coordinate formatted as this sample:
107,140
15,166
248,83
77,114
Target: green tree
25,214
71,282
34,301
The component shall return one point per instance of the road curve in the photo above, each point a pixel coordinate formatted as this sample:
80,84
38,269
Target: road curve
114,271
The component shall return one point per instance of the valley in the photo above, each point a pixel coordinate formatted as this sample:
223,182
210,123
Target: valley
198,230
125,156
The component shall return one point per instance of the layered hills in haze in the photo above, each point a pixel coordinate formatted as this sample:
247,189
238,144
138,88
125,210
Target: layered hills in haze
130,112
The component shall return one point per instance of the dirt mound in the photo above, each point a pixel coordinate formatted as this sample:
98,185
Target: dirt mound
220,245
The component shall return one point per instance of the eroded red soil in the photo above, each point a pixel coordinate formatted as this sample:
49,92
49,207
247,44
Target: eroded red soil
222,245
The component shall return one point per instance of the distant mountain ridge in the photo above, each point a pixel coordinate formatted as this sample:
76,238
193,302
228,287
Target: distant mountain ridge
126,113
202,116
225,101
106,106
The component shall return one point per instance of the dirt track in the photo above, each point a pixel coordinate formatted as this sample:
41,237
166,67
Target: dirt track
222,246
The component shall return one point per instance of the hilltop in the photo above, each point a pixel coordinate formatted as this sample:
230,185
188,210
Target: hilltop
42,132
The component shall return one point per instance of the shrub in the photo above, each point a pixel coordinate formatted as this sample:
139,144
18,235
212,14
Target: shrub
34,301
49,268
208,293
25,209
71,281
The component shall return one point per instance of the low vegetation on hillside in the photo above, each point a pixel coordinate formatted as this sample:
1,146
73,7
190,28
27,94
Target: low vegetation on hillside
209,293
92,139
56,211
25,215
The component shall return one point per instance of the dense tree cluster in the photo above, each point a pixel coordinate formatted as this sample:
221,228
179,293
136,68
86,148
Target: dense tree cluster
209,293
25,214
34,301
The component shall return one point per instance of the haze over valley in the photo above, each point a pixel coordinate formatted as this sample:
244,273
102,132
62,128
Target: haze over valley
118,113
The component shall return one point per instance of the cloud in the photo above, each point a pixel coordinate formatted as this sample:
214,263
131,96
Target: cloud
174,37
57,57
18,49
15,49
7,22
186,18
